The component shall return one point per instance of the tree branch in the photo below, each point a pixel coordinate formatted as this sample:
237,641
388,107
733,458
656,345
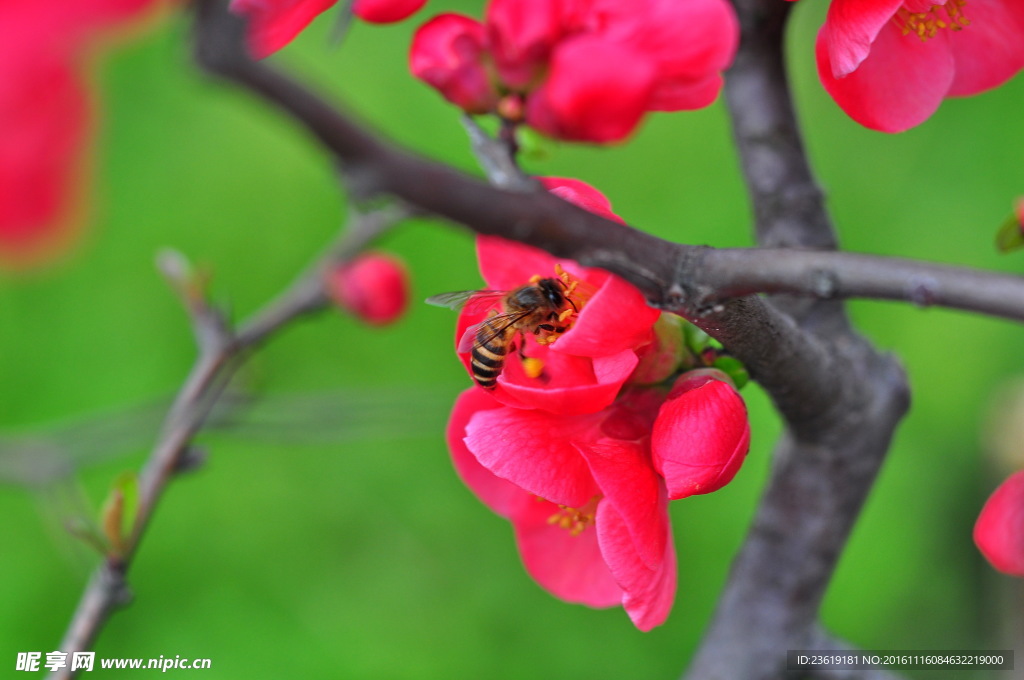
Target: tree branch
222,349
823,468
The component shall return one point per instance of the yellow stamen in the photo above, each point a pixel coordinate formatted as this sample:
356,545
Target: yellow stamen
928,24
575,520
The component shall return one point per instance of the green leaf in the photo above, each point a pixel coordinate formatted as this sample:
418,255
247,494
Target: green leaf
735,369
1010,236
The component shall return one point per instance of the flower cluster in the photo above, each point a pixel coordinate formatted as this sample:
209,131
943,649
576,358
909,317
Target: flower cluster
585,71
999,531
46,116
576,446
890,63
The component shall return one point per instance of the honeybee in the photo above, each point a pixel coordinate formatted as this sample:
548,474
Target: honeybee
544,307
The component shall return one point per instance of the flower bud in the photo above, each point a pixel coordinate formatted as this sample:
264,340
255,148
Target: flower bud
447,54
373,286
386,11
701,435
999,531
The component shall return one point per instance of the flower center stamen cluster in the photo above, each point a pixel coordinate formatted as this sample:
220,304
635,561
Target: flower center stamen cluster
928,24
575,520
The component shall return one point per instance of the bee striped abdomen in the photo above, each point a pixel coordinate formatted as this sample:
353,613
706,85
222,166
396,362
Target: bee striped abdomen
488,355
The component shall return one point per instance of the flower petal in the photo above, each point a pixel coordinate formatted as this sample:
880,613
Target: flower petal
275,23
501,496
999,531
386,11
990,50
534,451
700,439
596,91
647,593
850,29
570,567
520,35
570,385
581,194
899,85
691,41
628,482
617,317
506,264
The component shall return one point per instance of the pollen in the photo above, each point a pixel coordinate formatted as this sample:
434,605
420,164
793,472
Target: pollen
532,367
926,25
575,520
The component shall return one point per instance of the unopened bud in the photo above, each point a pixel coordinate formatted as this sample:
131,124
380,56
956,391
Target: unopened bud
999,531
701,435
373,286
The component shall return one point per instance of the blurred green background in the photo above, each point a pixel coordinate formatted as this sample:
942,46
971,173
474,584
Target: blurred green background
344,549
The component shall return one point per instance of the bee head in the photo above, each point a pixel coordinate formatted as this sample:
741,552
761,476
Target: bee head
553,291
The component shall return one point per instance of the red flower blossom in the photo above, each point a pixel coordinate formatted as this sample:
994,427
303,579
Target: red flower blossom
999,531
46,116
275,23
890,63
588,507
589,512
374,287
590,71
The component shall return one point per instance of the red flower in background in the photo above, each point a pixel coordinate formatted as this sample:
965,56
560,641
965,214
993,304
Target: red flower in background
999,531
46,116
585,71
373,286
890,63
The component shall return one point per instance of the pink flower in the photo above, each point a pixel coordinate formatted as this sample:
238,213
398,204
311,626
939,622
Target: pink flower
589,512
890,63
373,286
999,531
46,117
590,71
275,23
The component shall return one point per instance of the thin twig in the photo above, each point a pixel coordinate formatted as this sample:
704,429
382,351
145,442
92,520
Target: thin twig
221,352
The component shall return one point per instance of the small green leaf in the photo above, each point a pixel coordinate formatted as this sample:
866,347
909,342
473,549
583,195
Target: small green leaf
533,145
696,339
735,369
1010,236
117,517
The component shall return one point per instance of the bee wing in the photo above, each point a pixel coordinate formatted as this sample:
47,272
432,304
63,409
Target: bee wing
471,301
499,324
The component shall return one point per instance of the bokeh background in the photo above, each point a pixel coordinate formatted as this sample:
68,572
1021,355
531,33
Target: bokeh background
327,535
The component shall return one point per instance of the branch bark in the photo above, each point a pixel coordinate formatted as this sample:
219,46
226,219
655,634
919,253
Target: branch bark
822,469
